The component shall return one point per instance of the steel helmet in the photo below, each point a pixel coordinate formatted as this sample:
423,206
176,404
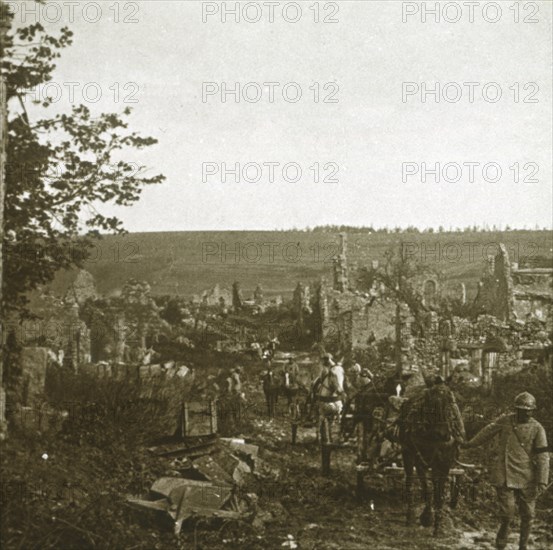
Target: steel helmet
526,401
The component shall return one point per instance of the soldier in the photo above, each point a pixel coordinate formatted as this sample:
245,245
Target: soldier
271,346
235,394
327,362
291,368
270,386
353,379
235,383
521,470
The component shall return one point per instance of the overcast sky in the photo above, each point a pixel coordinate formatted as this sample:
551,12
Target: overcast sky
367,133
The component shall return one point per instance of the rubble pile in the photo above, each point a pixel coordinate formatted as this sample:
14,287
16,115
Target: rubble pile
208,478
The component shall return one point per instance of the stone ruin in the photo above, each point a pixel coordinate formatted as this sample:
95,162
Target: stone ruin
349,319
58,325
302,308
215,297
533,292
507,292
512,292
340,271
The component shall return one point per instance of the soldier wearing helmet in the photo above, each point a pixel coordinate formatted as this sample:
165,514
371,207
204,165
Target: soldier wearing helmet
521,469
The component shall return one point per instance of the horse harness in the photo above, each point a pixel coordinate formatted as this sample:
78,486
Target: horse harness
333,397
451,430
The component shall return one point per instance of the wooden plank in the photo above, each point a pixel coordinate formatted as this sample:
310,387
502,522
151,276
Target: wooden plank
199,418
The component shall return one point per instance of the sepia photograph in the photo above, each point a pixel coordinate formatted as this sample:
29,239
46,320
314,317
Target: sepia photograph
276,275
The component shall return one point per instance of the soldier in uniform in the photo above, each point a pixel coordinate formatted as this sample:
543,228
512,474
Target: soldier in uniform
235,382
270,386
236,396
291,368
521,469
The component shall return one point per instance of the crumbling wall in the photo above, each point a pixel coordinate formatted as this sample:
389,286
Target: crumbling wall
258,295
340,267
495,290
237,298
528,305
504,281
360,327
82,288
216,296
34,361
533,293
430,292
302,307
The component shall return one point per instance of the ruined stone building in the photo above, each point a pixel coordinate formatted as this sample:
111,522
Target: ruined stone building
81,288
350,319
302,307
214,297
72,336
533,292
512,292
56,324
340,271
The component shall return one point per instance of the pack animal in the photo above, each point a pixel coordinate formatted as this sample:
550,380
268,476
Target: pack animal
329,392
430,431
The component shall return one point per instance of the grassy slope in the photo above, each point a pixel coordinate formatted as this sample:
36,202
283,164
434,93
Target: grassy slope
175,263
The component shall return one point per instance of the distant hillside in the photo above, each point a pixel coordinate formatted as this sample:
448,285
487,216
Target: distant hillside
188,262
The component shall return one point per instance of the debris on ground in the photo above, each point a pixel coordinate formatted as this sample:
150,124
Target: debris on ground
212,474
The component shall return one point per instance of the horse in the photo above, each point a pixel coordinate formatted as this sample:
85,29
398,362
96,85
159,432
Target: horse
369,414
430,430
296,387
288,387
329,390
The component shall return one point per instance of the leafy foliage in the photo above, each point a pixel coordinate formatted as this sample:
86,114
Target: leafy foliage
59,171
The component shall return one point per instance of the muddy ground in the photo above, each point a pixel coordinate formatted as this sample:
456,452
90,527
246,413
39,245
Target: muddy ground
62,493
303,509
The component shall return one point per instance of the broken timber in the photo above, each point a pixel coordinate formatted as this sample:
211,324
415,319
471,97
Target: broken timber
188,447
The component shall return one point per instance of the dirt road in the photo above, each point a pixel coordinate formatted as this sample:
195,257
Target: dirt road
302,509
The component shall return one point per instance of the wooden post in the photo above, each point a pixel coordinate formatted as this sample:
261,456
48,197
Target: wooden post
294,432
360,485
325,458
399,366
476,362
